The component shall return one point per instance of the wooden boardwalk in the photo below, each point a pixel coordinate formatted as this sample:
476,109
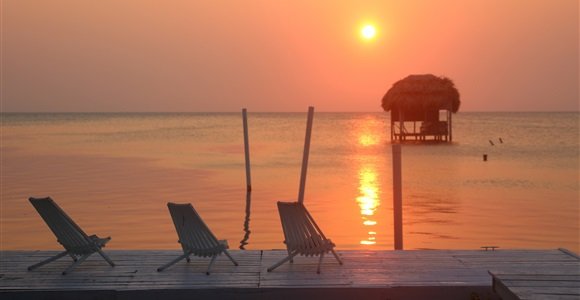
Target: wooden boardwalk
541,282
415,274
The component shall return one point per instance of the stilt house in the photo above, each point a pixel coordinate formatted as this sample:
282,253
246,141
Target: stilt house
421,107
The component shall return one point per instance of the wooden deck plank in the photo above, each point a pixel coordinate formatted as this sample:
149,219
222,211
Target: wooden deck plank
553,278
385,270
133,270
371,269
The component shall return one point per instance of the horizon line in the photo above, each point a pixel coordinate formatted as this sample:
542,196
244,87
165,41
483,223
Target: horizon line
263,111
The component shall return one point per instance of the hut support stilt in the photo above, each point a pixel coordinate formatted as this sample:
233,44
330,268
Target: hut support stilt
450,130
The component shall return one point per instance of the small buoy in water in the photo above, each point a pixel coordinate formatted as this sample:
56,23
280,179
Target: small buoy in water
500,141
485,157
491,142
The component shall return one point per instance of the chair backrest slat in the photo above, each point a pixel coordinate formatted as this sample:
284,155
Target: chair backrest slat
300,230
193,233
204,238
288,225
67,232
316,228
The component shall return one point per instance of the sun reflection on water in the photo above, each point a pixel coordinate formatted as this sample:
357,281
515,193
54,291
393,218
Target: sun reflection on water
367,140
368,201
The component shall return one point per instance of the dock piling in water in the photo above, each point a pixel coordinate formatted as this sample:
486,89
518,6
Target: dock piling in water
247,150
306,153
397,197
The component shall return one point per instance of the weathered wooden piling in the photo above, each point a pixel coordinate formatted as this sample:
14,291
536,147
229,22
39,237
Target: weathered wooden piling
306,153
397,197
247,150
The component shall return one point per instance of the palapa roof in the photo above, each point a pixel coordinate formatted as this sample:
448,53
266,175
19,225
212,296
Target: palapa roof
420,93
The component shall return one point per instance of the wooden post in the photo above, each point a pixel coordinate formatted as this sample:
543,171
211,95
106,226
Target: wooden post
401,125
450,124
392,126
397,197
247,150
392,130
306,153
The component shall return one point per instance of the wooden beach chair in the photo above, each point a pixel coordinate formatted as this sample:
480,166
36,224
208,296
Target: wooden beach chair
194,236
78,245
302,235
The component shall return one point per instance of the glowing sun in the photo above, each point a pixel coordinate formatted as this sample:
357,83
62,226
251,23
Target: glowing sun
368,32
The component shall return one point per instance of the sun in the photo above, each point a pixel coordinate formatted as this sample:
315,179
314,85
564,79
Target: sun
368,32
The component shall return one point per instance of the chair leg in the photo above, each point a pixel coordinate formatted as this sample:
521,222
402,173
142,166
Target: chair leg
106,257
74,258
230,257
319,263
287,258
169,264
291,259
44,262
211,263
76,263
336,256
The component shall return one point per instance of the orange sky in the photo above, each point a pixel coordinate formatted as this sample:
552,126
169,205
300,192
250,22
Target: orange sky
153,55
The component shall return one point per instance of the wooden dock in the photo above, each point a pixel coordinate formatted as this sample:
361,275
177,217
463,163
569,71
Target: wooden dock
541,282
415,274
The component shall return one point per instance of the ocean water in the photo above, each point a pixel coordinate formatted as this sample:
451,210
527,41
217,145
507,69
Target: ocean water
114,173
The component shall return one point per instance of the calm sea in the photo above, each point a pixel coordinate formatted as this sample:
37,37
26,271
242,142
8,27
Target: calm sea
114,173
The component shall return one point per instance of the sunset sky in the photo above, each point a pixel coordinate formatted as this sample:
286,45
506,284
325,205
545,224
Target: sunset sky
187,56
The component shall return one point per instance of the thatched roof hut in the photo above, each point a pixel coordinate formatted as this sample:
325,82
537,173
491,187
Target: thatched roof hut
420,98
416,95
